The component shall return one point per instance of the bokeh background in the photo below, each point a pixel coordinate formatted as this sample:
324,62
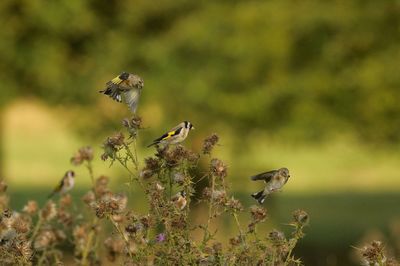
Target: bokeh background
310,85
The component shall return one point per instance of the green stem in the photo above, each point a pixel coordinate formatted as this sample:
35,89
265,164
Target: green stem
239,228
89,242
123,236
36,229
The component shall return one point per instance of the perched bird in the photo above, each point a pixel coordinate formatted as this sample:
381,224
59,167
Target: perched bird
274,181
175,135
180,200
125,86
66,184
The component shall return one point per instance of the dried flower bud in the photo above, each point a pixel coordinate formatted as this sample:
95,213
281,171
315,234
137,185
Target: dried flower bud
44,239
217,247
218,168
300,217
65,201
234,241
209,143
3,186
89,197
114,246
207,192
132,125
3,201
64,217
146,174
24,248
178,178
21,224
234,204
49,211
258,214
31,207
277,238
83,154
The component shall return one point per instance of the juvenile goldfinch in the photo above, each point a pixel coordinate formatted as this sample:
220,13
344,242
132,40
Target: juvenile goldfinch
274,181
175,135
180,200
66,184
127,86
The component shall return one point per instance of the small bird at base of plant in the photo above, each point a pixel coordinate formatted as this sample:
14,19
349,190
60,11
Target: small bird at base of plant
180,200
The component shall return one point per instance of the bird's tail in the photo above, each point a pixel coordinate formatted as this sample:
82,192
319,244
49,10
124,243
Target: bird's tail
152,144
259,196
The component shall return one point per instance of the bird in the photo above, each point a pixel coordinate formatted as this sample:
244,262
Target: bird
274,181
65,185
175,135
126,86
180,200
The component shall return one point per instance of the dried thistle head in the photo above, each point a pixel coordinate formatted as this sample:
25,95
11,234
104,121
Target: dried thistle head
49,211
44,239
277,238
21,223
218,168
374,253
258,214
209,143
4,200
234,205
101,187
114,247
301,218
24,249
83,154
89,197
65,201
31,207
111,146
3,186
132,125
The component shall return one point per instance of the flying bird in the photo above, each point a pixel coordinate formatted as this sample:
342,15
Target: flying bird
127,87
180,200
175,135
66,184
274,181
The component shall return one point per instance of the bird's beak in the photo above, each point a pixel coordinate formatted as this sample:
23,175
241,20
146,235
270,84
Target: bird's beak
192,128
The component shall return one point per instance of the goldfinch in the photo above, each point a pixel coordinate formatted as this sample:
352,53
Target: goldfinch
175,135
180,200
274,181
125,86
66,184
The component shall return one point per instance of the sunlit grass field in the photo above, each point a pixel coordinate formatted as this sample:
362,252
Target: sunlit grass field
348,189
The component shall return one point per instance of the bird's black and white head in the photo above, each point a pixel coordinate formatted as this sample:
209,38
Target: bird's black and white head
284,172
70,173
182,194
188,125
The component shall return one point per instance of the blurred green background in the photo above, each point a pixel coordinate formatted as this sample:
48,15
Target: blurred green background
310,85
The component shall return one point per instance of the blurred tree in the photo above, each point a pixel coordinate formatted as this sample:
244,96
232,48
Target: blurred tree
302,70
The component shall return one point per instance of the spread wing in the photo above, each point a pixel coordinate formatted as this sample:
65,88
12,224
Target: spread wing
132,99
267,176
113,86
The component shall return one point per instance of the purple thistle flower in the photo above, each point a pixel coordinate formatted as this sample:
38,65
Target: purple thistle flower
160,238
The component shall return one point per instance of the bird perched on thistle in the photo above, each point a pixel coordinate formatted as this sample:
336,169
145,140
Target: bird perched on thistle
180,200
66,184
274,181
175,135
127,87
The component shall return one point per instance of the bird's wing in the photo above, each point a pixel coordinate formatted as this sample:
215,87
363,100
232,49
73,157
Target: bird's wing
132,98
173,132
113,86
267,176
57,188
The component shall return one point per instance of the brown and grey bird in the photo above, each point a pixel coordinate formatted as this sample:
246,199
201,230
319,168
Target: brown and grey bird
66,184
175,135
127,87
274,181
180,200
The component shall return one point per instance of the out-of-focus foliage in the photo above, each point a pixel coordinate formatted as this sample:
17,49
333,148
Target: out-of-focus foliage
303,69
